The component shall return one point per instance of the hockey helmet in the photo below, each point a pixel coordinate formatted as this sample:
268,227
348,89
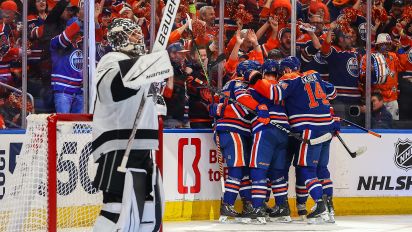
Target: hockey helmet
245,67
119,34
291,62
270,66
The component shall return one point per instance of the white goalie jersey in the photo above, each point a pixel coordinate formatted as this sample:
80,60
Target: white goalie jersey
116,106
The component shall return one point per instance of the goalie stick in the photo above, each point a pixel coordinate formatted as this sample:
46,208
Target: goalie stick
354,154
318,140
161,41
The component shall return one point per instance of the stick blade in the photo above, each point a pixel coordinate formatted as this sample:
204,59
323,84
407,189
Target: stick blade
361,150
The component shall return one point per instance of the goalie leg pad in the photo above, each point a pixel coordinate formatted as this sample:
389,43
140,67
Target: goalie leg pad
141,211
134,194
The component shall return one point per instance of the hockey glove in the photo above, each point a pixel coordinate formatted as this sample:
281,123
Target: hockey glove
254,77
336,125
263,114
216,110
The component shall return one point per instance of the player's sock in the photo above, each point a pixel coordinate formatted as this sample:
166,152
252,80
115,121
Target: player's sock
301,193
259,188
269,187
308,175
245,189
279,187
232,185
324,178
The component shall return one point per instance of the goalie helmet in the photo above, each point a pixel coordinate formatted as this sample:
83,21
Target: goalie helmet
119,36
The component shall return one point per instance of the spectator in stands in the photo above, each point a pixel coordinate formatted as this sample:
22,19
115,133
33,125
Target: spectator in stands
389,89
8,51
67,56
343,69
175,92
381,118
246,47
207,16
57,18
39,64
275,54
103,16
199,96
285,42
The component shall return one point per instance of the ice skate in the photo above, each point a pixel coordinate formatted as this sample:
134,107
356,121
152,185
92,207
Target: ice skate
330,208
268,210
227,212
281,213
319,213
256,216
302,212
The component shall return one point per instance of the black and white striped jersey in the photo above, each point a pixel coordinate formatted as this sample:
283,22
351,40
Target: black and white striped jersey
116,106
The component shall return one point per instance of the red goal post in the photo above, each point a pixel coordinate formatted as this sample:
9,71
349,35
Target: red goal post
51,187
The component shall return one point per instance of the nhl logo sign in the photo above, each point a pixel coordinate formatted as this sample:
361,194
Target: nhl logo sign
403,154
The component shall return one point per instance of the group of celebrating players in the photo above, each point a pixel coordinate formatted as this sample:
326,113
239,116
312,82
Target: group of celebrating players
257,112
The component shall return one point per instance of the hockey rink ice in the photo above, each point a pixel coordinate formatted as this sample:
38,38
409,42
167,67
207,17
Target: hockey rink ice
398,223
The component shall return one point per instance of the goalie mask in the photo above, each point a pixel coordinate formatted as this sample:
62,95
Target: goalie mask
126,36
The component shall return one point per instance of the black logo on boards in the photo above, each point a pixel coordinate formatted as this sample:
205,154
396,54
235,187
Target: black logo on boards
403,154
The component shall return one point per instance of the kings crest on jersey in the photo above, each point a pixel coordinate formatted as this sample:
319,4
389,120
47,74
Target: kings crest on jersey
122,83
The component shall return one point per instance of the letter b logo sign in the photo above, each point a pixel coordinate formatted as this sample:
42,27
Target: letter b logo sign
182,188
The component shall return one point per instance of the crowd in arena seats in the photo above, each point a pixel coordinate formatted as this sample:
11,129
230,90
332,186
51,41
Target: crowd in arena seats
331,39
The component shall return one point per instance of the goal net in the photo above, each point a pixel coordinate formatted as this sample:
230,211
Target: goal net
51,185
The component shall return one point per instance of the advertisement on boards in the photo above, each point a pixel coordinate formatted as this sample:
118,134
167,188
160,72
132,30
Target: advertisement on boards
191,169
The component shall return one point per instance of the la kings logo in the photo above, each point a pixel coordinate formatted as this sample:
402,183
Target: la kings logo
403,154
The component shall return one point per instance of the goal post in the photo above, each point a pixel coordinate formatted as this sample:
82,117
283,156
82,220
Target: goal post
52,121
51,188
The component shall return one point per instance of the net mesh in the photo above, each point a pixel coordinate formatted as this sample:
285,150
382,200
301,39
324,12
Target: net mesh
24,207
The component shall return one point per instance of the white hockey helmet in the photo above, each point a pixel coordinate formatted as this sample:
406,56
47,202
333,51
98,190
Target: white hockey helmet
119,33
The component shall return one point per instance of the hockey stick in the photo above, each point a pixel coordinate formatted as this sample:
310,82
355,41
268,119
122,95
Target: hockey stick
220,58
122,167
321,139
354,154
197,49
362,128
162,38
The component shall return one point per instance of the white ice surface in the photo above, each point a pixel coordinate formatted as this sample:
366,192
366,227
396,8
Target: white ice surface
398,223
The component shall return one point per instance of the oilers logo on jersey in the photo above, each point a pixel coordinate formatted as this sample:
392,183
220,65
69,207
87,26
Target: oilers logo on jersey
362,30
353,67
319,58
76,60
